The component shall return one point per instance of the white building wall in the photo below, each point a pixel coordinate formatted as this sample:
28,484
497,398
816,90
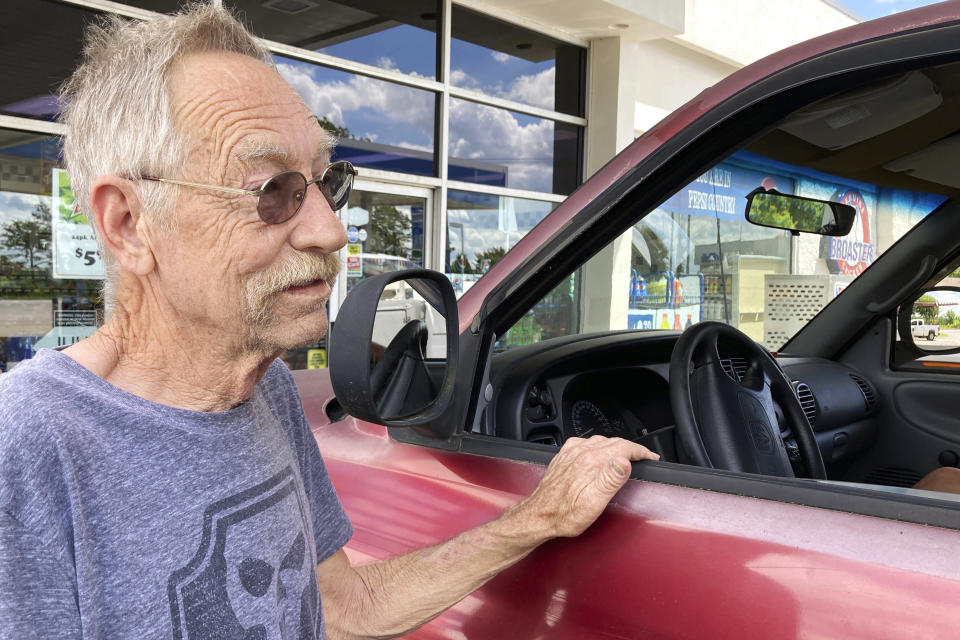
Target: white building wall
744,31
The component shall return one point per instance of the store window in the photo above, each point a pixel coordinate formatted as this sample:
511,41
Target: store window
504,60
696,258
379,124
500,148
481,228
399,36
40,43
49,268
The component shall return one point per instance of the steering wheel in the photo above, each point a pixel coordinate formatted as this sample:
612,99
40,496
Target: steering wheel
726,424
399,381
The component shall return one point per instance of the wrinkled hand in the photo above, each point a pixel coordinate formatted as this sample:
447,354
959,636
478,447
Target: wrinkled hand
581,480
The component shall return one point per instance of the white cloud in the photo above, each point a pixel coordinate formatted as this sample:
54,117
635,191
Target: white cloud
479,132
386,63
392,102
18,206
461,78
536,90
499,56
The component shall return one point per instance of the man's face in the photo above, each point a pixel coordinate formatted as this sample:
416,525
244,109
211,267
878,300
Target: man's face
222,269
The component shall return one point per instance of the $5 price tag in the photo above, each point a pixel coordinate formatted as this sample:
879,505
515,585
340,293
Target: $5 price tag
89,257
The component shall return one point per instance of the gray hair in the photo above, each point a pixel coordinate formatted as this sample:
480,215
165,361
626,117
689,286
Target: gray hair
117,110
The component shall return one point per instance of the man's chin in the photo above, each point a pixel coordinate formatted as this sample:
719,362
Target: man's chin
282,332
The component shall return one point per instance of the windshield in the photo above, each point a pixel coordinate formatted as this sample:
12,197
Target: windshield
697,258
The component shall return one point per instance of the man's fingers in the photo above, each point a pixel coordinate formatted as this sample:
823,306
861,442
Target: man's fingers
629,449
613,476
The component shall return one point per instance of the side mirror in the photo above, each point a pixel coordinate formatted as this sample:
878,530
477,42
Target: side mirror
931,323
393,348
794,213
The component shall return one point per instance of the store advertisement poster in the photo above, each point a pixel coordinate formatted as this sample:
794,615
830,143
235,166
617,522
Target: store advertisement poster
75,253
354,260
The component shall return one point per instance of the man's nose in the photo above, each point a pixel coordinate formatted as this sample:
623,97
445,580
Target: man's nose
316,225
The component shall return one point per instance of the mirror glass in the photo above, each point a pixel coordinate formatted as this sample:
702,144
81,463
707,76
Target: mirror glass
785,211
935,321
408,354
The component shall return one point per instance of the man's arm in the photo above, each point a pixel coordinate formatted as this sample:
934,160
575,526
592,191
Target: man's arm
391,598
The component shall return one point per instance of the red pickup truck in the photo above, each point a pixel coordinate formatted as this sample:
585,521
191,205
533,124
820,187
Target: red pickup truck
783,504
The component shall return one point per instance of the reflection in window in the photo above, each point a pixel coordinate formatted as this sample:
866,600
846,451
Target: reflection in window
481,228
391,35
496,147
503,60
36,309
39,47
380,125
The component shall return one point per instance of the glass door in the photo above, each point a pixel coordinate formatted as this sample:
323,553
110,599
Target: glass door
385,232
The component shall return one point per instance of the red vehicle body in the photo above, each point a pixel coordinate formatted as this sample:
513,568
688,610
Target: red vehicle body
664,561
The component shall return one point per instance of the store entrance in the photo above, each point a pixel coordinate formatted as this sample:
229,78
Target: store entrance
385,232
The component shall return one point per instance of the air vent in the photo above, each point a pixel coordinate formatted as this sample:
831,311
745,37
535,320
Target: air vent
893,477
807,402
735,367
869,397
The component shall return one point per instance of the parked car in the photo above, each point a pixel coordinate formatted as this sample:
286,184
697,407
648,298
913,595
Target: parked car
921,329
782,506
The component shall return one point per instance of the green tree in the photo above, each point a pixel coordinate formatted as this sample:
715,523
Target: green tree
461,264
493,255
32,237
927,308
388,232
949,319
341,133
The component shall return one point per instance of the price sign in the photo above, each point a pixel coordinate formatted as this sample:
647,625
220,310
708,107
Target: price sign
317,359
354,260
75,252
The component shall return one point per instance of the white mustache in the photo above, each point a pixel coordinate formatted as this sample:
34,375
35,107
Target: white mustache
301,269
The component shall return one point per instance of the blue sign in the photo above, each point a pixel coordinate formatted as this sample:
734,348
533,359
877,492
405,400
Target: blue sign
722,191
353,235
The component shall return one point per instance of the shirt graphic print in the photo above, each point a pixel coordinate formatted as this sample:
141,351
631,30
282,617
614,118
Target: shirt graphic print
252,577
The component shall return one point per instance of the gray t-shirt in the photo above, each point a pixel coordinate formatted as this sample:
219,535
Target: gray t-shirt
123,518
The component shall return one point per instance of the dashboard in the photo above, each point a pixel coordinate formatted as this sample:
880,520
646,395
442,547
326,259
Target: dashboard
617,384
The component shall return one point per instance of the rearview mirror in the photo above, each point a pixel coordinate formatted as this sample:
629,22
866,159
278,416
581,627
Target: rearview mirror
797,214
393,348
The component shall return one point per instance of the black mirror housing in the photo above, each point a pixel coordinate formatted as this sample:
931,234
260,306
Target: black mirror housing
395,384
798,214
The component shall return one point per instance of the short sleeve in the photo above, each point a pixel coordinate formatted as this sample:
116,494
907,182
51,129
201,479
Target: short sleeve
38,598
331,526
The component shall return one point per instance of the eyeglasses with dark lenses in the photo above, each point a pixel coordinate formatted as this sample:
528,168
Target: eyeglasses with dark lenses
282,195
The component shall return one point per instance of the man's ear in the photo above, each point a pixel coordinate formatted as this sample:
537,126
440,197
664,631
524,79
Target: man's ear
117,210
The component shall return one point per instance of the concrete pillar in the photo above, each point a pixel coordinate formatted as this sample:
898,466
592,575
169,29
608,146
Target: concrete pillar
611,96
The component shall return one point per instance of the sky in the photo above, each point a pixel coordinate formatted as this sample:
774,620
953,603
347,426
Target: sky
869,9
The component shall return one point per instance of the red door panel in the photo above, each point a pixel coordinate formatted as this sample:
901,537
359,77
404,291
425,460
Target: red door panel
663,562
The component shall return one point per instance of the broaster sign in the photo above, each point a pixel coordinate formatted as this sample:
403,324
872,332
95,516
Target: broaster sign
851,255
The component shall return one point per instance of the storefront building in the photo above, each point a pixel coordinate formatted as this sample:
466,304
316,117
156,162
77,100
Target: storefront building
468,121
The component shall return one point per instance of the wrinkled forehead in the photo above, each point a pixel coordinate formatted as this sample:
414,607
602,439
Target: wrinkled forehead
233,108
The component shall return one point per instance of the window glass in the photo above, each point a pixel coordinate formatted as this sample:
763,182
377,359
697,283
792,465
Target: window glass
506,61
40,43
380,125
481,228
391,35
696,258
49,268
496,147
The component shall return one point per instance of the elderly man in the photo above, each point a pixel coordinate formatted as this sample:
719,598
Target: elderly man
158,479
